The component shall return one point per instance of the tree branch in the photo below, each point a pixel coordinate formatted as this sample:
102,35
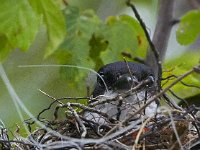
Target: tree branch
154,51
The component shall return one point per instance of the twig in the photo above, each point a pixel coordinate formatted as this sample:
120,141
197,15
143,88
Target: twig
49,107
172,102
85,108
17,141
140,132
50,96
129,70
78,120
72,98
191,111
179,98
152,47
175,130
182,82
58,101
144,29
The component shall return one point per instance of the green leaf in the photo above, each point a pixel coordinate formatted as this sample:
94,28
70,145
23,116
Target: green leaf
179,66
4,47
18,27
76,46
92,43
97,45
142,42
124,35
189,28
54,21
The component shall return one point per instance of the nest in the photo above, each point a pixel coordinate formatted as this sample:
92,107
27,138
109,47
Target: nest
173,127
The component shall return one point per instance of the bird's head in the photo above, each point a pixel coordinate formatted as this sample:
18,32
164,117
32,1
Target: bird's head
120,76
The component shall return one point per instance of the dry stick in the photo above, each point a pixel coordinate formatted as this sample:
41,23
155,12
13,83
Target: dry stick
175,132
50,96
129,70
19,142
140,132
183,83
171,103
55,100
145,30
88,109
179,98
152,47
72,98
84,130
195,125
63,98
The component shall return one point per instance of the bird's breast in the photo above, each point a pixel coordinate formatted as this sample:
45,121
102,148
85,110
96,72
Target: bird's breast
121,108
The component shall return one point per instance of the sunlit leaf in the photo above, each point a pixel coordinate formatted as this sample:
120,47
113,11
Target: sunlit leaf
141,38
4,47
76,46
189,30
54,22
97,45
124,35
19,25
180,66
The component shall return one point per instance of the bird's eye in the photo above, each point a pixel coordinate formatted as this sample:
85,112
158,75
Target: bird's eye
118,76
100,79
151,80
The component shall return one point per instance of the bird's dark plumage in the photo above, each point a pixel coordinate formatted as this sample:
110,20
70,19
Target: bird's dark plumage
117,78
110,73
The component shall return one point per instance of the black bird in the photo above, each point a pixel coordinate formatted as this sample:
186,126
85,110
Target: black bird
117,78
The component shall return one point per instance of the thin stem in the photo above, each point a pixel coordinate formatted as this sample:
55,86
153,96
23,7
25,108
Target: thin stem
155,52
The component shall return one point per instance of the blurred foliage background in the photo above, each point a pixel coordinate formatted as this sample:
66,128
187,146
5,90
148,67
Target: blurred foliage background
86,33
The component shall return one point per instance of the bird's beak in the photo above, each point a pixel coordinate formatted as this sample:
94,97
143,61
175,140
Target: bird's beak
125,82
